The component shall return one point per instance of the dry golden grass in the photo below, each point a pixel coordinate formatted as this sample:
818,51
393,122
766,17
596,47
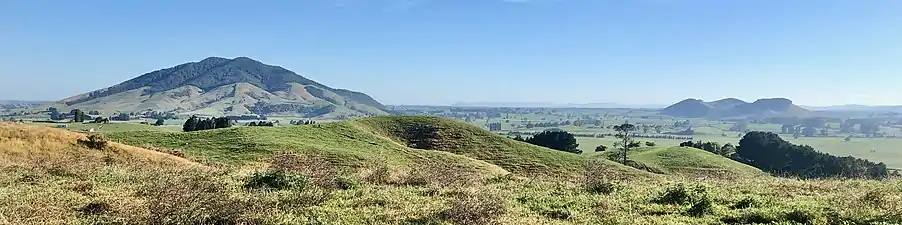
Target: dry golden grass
24,143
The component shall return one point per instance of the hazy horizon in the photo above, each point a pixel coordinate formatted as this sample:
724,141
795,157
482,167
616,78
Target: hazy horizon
433,52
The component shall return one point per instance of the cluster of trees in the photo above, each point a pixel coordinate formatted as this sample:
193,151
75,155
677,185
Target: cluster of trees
682,123
121,117
260,124
159,115
546,124
725,150
496,126
302,122
194,123
557,140
768,152
77,115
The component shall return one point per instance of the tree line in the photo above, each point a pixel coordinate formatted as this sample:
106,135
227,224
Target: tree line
768,152
194,123
725,150
605,135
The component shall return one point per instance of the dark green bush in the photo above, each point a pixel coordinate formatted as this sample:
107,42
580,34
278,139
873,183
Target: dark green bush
702,207
747,202
275,180
679,194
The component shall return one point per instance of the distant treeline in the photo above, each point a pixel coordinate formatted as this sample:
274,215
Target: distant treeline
194,123
606,135
260,124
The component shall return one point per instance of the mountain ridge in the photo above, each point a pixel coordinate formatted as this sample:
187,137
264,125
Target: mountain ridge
221,86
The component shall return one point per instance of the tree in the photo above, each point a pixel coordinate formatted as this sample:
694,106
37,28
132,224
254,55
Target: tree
79,115
558,140
190,124
519,138
848,138
625,134
727,149
159,122
101,120
601,148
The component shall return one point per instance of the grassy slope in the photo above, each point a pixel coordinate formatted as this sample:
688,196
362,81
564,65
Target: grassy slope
691,161
376,139
464,139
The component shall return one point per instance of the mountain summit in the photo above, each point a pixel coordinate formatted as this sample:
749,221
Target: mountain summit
220,86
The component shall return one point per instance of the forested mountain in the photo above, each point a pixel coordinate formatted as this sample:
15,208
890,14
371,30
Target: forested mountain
220,86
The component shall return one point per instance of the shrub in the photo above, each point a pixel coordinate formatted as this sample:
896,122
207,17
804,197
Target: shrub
275,180
799,216
745,203
701,207
94,208
558,213
474,208
598,186
379,175
679,194
93,142
345,183
601,148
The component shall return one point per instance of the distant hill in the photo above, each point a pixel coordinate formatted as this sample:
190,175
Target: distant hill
557,105
731,107
220,86
857,108
16,104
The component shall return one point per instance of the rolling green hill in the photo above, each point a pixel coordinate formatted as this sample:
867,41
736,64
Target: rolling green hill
692,162
355,143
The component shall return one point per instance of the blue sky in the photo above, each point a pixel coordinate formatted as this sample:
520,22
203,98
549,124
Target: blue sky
821,52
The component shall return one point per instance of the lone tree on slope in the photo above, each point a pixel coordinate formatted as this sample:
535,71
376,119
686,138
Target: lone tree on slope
625,143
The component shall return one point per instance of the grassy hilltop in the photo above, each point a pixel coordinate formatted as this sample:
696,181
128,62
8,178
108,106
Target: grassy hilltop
398,170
